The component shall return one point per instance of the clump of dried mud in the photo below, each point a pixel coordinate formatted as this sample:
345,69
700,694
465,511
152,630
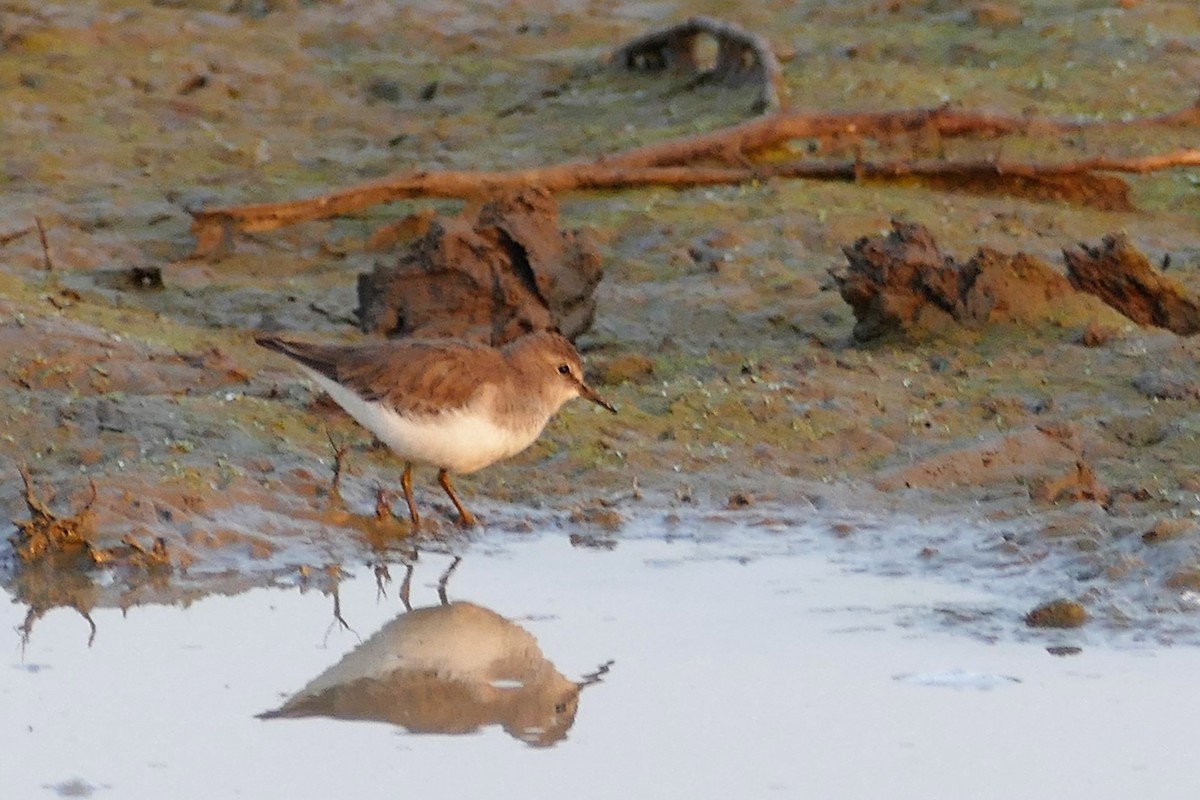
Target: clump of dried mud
903,284
490,274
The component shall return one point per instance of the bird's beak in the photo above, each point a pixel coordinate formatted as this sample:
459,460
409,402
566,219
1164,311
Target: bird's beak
588,393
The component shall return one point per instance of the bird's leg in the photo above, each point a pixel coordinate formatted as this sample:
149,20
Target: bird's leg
406,587
466,517
406,485
446,579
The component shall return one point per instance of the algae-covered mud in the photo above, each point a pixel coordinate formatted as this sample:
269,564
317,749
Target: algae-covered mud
1050,459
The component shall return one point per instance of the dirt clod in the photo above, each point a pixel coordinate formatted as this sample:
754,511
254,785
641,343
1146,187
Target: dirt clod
624,369
902,283
1078,484
1064,650
62,540
603,518
1057,614
1122,277
1185,579
491,274
1097,335
1170,528
739,500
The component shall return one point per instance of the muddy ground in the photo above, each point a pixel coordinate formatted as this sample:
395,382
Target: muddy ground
719,333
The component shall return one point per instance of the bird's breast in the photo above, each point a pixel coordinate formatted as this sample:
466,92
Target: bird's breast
461,440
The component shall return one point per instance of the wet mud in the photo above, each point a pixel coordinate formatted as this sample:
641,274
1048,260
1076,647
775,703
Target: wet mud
1051,451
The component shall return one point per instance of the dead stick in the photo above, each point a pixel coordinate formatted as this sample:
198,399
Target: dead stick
728,146
339,463
36,507
13,235
47,262
467,184
982,168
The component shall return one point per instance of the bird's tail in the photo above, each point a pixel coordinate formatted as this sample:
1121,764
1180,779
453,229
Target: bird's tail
314,356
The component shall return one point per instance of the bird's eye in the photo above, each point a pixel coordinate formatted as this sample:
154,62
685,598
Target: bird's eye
564,369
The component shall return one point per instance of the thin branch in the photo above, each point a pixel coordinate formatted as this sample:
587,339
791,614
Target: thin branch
12,236
681,162
47,261
339,465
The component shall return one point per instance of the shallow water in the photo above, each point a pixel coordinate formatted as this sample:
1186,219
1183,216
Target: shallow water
777,674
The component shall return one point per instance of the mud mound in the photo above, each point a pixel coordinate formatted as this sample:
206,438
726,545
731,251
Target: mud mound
492,273
902,283
1023,456
1122,277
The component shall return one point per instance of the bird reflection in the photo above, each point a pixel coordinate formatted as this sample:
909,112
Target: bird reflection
452,668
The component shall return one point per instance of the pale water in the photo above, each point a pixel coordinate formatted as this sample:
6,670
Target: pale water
740,667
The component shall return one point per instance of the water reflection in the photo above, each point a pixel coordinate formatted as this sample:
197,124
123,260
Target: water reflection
453,668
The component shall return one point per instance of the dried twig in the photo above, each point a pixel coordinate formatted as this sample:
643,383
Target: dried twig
641,168
45,533
12,236
720,156
339,463
47,261
383,505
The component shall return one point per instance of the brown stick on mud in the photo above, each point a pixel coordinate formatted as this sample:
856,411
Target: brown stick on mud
339,466
681,162
47,261
12,236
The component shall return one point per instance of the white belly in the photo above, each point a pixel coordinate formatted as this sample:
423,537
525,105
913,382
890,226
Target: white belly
460,441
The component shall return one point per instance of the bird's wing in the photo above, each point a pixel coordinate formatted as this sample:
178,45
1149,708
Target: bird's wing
410,376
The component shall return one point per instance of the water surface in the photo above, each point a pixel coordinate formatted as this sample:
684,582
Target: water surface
771,674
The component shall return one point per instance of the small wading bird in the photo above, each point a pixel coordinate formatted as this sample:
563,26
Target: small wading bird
447,403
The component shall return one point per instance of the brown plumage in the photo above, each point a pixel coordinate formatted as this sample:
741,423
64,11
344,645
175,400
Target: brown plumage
416,376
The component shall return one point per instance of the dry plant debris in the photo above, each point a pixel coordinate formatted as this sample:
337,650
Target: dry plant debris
48,537
45,533
742,57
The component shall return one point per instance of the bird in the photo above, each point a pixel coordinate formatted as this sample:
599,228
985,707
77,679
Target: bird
453,668
447,403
